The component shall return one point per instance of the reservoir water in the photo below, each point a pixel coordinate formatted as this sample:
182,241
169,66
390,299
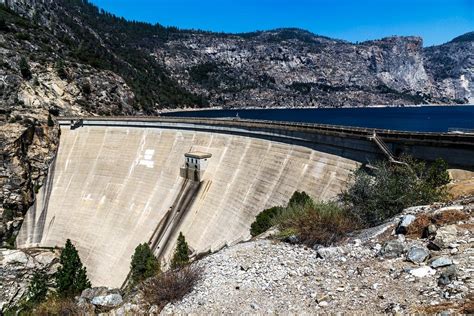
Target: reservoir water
420,119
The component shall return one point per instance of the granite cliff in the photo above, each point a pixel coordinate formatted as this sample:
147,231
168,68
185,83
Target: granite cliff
70,58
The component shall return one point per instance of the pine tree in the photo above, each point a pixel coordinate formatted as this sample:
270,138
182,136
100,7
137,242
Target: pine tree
71,278
37,289
50,121
144,264
25,69
181,253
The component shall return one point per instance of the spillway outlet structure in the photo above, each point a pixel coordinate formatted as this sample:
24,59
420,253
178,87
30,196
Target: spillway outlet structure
195,163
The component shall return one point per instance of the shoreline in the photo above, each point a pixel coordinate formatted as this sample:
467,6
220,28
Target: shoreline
175,110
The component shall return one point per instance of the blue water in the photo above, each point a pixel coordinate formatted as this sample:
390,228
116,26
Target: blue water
421,119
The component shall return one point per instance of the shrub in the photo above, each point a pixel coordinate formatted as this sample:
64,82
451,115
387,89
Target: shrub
25,69
55,305
377,196
263,221
181,253
323,223
60,70
299,198
171,285
8,214
71,278
144,264
50,121
3,25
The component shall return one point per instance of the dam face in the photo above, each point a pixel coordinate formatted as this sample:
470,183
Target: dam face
110,188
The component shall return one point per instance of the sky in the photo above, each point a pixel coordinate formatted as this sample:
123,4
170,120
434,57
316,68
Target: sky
436,21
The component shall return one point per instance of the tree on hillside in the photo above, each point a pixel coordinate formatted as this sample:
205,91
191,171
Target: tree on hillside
71,278
25,69
38,288
299,198
181,253
61,70
144,264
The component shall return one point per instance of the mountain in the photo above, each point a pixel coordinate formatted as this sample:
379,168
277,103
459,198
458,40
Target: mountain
85,60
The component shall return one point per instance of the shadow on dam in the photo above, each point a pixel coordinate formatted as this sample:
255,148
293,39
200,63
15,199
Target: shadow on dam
112,188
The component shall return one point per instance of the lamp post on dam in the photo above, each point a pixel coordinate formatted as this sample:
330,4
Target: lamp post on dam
195,163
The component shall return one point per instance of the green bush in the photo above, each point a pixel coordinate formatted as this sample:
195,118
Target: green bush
181,253
38,288
299,198
144,264
263,221
8,214
50,121
71,278
378,195
60,70
25,69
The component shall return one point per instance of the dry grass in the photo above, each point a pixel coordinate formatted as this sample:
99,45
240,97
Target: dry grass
323,224
58,306
449,217
170,286
464,307
419,225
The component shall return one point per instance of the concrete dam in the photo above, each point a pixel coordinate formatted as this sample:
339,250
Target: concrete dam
116,183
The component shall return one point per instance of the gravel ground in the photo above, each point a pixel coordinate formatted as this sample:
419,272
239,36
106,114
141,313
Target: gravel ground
268,276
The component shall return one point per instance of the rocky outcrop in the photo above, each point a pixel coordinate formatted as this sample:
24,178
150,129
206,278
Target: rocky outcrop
16,271
451,68
357,276
28,147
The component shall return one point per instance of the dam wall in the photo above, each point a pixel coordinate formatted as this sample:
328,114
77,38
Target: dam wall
111,187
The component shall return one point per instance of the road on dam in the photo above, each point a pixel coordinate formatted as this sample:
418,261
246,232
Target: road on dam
110,188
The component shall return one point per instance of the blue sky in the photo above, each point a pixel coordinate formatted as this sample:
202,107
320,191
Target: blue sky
437,21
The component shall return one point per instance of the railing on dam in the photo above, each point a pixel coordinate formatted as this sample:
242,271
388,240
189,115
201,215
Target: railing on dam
352,142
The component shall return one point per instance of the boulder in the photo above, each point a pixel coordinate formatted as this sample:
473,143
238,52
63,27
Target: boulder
418,254
447,275
14,257
444,236
422,272
110,300
405,221
329,252
393,248
441,262
46,258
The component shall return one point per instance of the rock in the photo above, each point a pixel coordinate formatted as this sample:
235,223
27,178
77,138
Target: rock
447,275
444,236
45,258
422,272
441,262
393,249
110,300
14,257
405,221
431,230
90,293
417,254
292,239
329,252
323,304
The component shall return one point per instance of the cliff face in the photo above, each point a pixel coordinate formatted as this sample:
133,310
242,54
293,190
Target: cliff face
451,67
137,67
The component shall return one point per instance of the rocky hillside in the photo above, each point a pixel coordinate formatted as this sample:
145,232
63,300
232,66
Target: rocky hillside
417,263
85,59
420,262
